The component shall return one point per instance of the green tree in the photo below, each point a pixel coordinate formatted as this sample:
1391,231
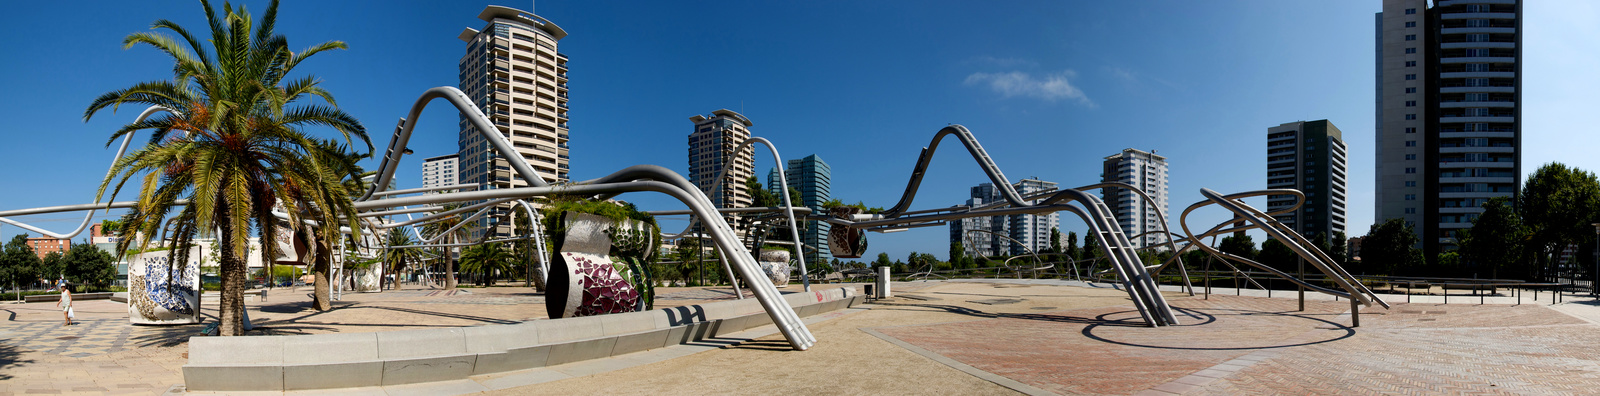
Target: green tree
456,233
399,258
53,266
88,266
19,266
1557,205
1239,245
958,256
883,260
1339,249
1390,248
1495,241
1091,247
1072,245
1278,256
488,261
233,147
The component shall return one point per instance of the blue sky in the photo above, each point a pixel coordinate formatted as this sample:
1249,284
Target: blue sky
1049,88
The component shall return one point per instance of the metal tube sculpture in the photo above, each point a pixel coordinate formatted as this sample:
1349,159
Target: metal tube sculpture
788,207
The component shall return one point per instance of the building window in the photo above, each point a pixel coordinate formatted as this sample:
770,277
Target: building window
1411,37
1412,50
1411,63
1411,103
1411,170
1411,143
1411,129
1411,89
1411,197
1411,77
1411,211
1410,11
1411,116
1411,24
1411,184
1411,156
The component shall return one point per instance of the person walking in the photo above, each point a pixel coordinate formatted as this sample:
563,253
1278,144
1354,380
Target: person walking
65,303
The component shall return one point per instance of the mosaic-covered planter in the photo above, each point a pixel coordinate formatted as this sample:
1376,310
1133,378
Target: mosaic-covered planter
846,242
587,279
159,294
775,264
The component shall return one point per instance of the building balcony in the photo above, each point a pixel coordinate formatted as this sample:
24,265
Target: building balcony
1505,164
1477,90
1479,15
1448,105
1447,3
1479,44
1478,75
1502,180
1478,59
1477,119
1477,149
1475,194
1506,134
1478,29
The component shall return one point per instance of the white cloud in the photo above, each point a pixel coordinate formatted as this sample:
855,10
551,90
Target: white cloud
1051,87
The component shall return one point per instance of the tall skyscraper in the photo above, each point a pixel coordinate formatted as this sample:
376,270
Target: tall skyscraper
1032,230
1145,171
813,178
513,72
1308,156
440,171
711,147
1449,114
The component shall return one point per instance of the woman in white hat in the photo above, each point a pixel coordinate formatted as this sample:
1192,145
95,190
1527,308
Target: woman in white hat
65,303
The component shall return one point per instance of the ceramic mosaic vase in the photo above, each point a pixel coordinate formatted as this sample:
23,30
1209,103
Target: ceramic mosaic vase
845,242
586,279
775,264
162,294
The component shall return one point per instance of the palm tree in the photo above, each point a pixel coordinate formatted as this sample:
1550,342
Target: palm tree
232,148
460,233
341,163
488,260
398,258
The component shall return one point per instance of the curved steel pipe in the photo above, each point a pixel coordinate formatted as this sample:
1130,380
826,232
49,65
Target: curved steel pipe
402,134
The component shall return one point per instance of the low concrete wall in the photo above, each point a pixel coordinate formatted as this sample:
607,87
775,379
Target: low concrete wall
75,297
323,361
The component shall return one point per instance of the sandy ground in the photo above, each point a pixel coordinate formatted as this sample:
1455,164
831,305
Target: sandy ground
845,360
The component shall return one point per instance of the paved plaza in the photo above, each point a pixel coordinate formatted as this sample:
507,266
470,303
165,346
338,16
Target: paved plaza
949,337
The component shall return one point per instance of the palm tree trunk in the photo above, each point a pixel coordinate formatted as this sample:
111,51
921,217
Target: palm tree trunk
320,266
231,308
449,266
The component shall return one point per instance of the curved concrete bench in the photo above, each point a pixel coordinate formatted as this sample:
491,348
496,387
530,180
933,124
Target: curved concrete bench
323,361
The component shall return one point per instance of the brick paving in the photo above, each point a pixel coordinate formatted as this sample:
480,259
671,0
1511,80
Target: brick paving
1231,345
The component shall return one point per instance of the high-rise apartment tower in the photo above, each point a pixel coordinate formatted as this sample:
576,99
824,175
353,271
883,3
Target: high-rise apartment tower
1449,112
1145,171
712,147
515,75
1308,156
1032,230
440,171
814,179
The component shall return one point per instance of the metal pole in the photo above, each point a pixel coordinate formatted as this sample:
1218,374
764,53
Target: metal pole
1302,262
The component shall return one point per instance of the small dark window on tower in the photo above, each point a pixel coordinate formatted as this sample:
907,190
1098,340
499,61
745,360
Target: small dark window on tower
1411,50
1411,63
1411,103
1411,89
1411,143
1411,130
1410,11
1411,77
1411,37
1411,24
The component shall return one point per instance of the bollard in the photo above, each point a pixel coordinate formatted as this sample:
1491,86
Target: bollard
1355,313
883,282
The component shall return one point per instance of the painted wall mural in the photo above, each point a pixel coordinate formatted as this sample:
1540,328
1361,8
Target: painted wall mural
160,293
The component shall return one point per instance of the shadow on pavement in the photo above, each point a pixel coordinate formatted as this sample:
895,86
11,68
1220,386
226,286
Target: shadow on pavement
10,357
